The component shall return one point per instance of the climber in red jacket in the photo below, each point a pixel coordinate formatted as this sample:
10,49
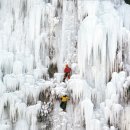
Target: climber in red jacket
67,72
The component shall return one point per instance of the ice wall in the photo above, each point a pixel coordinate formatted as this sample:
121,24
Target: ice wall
126,36
28,30
33,34
36,33
44,30
69,33
102,39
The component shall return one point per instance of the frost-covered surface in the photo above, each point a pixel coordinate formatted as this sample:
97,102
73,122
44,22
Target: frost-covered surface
103,44
92,36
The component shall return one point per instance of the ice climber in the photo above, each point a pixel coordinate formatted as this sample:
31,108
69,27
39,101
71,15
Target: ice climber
67,72
64,100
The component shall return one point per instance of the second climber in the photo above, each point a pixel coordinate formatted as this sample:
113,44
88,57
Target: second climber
67,72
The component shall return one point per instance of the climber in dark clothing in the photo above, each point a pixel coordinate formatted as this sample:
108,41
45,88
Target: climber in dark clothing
67,72
64,100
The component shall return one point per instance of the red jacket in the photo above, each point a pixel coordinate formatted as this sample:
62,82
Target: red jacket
67,70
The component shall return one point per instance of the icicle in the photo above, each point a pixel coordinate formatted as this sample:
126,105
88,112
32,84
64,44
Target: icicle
40,73
117,87
124,12
87,8
79,88
2,88
11,82
32,111
87,112
21,125
6,61
33,123
111,89
2,104
95,125
125,121
13,115
17,67
21,110
115,119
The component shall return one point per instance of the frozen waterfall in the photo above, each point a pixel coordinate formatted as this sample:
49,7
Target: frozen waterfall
37,39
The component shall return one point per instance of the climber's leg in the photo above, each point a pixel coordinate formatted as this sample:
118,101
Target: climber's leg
68,75
65,76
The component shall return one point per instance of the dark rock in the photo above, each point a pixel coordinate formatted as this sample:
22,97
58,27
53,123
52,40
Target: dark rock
52,69
127,1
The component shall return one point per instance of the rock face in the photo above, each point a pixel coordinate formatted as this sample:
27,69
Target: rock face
127,1
52,69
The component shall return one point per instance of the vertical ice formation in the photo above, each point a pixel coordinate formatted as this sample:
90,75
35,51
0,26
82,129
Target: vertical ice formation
22,125
87,112
124,13
116,96
101,41
81,98
42,32
79,88
23,106
125,119
69,28
46,32
36,33
28,29
111,110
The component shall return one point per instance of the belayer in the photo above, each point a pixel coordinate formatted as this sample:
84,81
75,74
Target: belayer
63,103
67,72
